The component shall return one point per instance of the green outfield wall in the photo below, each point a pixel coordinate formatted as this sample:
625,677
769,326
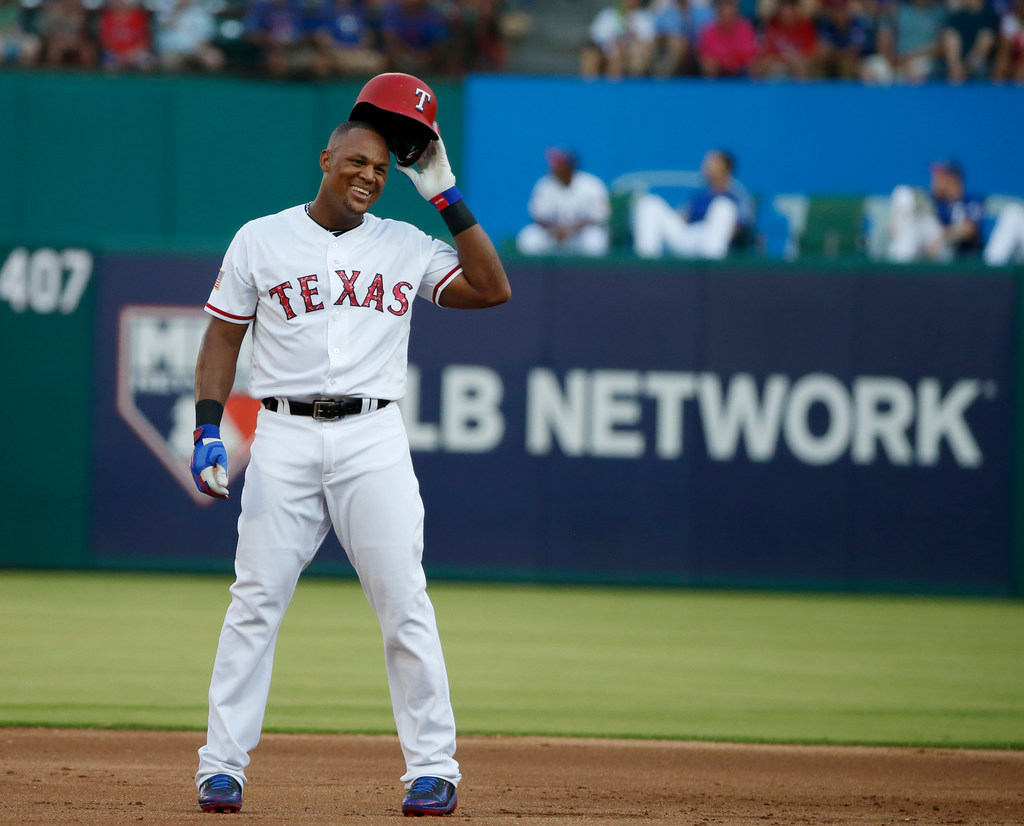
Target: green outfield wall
46,378
171,163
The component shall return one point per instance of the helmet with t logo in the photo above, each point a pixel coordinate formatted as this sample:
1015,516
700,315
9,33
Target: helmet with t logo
403,108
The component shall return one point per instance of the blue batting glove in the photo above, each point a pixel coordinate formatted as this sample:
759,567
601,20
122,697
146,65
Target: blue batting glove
209,463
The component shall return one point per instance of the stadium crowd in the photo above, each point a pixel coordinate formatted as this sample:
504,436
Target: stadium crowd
875,41
280,38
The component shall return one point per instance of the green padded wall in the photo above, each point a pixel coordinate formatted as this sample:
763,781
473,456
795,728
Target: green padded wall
158,163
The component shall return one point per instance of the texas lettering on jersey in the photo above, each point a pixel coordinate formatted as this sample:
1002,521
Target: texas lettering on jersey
332,313
373,298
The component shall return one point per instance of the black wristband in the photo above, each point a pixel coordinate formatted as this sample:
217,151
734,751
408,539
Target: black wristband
458,218
209,411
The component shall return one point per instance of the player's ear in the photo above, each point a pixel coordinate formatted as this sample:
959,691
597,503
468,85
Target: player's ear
325,159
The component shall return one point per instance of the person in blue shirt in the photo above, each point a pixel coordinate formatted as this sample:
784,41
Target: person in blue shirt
277,28
416,36
845,38
941,225
677,28
706,226
343,39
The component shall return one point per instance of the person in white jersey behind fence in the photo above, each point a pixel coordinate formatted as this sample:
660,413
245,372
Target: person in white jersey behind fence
329,289
569,208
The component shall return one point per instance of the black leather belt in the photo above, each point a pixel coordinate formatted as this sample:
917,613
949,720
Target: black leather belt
326,410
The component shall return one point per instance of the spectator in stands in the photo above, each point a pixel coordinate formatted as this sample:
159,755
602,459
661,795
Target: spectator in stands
969,41
909,43
620,41
1006,243
845,38
184,35
706,226
1009,63
343,40
671,45
477,33
677,28
939,227
126,41
276,27
17,46
674,45
789,43
416,37
570,210
63,26
727,46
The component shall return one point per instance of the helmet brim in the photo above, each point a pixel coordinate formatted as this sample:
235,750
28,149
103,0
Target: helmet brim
407,138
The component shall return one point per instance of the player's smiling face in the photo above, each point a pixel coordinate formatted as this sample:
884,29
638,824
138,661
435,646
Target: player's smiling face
355,170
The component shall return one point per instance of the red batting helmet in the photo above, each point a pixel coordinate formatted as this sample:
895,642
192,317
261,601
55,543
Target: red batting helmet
404,108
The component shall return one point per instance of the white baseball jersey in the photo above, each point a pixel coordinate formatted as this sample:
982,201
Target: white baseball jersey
332,312
585,198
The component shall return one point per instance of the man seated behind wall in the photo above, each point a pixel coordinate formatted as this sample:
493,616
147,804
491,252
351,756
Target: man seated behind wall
570,210
1009,60
846,36
727,46
64,28
277,29
909,42
343,39
416,37
788,45
939,226
620,41
706,226
185,30
18,46
969,41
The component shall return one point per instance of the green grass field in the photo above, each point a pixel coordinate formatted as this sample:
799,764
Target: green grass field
134,650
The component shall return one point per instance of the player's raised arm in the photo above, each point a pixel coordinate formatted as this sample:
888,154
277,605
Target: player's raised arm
483,282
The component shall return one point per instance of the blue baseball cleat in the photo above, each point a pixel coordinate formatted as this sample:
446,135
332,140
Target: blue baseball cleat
429,796
220,793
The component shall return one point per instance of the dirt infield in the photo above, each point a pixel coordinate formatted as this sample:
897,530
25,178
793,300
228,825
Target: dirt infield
64,776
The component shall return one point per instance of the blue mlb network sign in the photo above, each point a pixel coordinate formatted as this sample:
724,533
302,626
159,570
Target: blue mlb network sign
665,425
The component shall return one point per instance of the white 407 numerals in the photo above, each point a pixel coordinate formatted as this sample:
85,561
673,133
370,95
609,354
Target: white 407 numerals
45,281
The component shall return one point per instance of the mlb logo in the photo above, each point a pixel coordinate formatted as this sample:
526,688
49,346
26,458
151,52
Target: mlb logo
157,350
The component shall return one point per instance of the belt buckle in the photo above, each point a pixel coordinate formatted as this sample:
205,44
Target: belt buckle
321,408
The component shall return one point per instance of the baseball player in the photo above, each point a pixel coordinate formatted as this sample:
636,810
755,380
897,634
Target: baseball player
940,226
1006,243
707,224
328,288
570,210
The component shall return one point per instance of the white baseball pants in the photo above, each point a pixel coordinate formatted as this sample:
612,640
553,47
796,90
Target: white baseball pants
592,240
303,477
659,230
1006,243
914,233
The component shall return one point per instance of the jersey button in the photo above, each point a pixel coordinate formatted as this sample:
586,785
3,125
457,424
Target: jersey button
337,349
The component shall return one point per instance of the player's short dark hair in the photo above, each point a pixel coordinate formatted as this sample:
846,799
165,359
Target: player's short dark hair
343,129
729,158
